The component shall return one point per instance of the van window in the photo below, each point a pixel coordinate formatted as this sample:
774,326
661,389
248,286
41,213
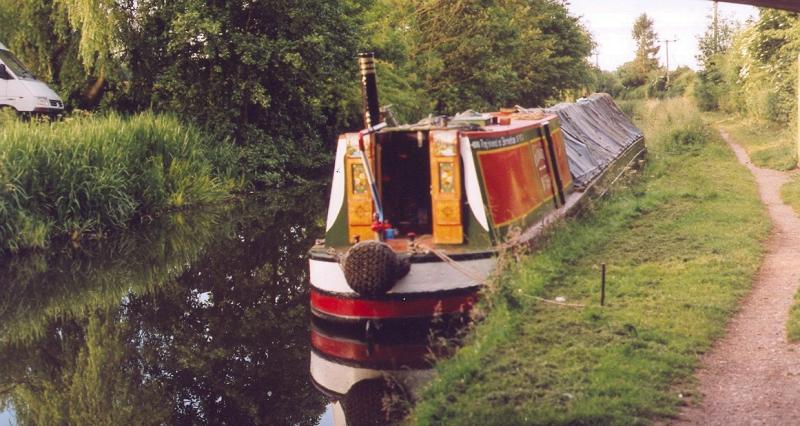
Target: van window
15,65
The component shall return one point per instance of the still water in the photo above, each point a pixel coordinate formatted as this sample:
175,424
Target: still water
196,318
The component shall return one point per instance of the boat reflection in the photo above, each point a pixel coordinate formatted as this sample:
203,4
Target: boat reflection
371,375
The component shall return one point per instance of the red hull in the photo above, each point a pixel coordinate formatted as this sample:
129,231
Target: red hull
401,307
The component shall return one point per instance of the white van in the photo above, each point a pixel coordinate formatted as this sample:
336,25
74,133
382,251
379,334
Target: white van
20,89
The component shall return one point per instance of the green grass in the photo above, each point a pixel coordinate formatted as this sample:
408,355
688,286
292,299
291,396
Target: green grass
790,193
770,145
793,325
85,175
681,242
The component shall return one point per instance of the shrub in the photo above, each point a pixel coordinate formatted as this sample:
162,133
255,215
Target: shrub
687,136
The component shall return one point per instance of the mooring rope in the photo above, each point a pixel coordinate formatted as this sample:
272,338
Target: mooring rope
476,276
473,274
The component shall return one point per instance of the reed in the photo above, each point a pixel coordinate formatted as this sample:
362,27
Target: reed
88,174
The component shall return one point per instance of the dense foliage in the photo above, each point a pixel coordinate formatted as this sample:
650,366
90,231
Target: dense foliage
512,52
751,70
278,78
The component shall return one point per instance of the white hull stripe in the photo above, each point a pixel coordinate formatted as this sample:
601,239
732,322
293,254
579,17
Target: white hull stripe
339,378
423,278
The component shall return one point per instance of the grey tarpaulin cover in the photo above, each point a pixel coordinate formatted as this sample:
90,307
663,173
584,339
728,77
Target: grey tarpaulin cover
595,132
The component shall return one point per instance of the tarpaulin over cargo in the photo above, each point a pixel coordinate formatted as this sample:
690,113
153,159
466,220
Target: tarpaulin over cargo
596,132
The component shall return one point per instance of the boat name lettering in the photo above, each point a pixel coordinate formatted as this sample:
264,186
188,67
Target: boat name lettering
497,142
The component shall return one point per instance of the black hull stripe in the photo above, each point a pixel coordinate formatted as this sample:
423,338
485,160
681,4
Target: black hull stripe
417,258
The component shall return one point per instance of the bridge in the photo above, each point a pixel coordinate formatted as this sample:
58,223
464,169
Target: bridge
792,5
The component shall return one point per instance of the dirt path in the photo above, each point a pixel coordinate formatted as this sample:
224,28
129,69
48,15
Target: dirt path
752,375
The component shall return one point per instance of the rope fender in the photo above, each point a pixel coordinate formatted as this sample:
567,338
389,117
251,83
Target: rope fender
371,268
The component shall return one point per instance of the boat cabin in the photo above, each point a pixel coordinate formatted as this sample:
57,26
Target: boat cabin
466,181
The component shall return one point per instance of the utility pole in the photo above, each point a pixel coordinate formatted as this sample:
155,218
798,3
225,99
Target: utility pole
667,42
716,28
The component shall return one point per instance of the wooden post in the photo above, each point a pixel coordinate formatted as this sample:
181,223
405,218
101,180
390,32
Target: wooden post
797,89
602,284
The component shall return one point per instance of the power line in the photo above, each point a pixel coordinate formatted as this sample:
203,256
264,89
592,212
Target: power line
667,42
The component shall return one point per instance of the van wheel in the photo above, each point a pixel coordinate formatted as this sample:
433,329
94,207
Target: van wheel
6,111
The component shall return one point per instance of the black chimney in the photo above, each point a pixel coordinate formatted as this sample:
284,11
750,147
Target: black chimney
369,88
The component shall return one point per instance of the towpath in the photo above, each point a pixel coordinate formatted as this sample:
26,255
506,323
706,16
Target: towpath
752,375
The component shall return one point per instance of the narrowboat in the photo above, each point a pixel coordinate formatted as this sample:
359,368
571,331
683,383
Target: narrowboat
418,213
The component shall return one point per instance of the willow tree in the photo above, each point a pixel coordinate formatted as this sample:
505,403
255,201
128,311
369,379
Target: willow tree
68,43
98,24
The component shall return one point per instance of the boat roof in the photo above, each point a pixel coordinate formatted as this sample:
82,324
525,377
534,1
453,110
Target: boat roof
515,126
495,129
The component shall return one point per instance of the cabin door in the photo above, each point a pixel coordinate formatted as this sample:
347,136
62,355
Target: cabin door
446,187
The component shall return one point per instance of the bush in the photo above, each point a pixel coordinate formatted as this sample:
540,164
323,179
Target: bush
687,137
88,174
706,92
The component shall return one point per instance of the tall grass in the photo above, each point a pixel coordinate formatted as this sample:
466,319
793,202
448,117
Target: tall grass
89,174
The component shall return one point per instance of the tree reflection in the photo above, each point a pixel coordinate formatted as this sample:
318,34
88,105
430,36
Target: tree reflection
200,319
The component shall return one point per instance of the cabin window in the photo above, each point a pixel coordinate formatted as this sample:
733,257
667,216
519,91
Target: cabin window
406,181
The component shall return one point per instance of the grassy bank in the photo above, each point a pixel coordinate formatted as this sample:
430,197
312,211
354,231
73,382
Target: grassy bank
681,243
769,145
790,193
793,325
90,174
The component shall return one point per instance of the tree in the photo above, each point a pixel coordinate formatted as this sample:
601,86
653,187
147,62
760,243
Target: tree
553,57
278,78
757,74
716,40
606,82
646,38
488,53
268,75
712,45
39,32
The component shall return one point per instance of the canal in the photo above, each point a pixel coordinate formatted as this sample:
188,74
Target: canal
198,317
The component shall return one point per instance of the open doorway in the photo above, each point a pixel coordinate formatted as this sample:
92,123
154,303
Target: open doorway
406,181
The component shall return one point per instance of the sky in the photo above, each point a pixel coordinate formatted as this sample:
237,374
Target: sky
611,22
